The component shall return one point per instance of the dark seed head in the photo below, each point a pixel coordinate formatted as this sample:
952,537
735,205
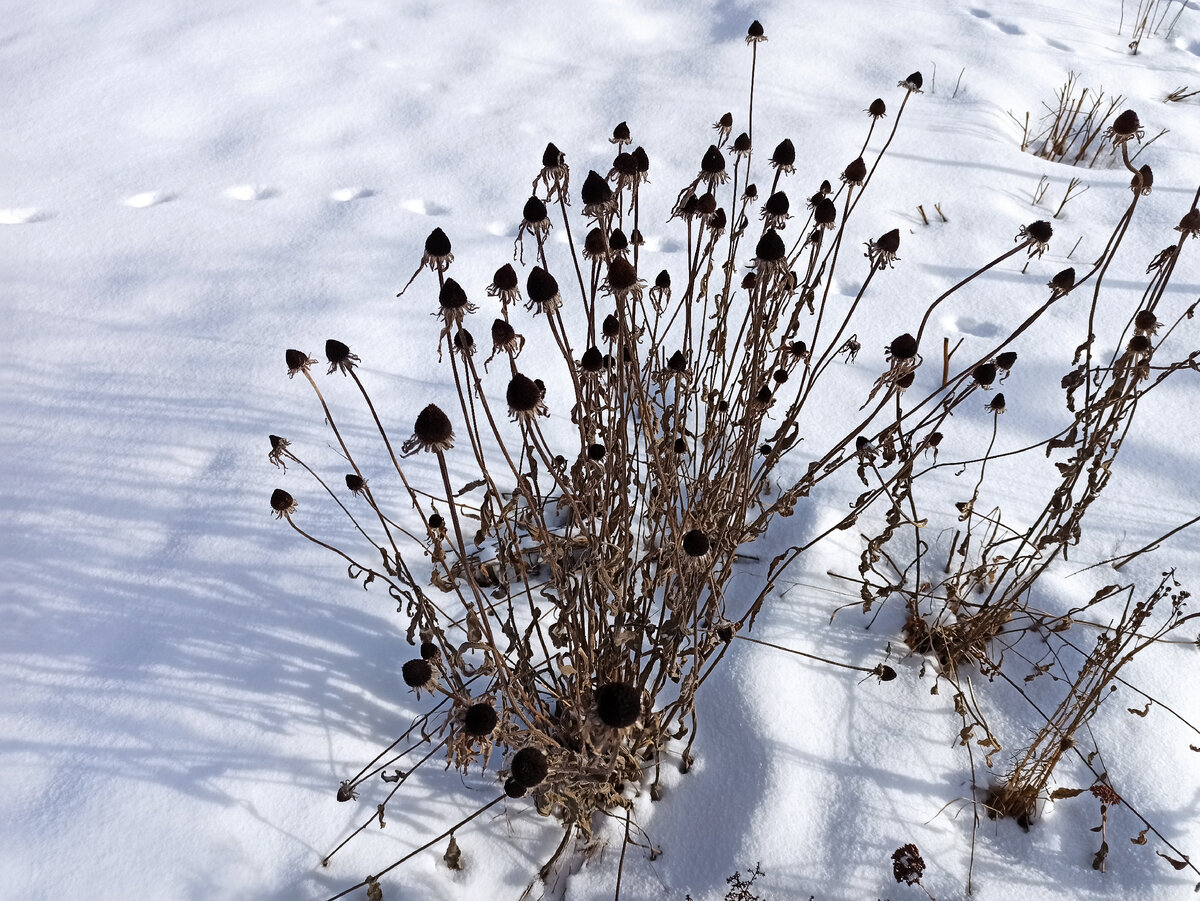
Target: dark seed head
552,156
464,341
825,213
416,672
528,767
706,203
713,162
513,788
935,438
1126,125
663,279
592,360
641,160
855,172
621,274
452,296
618,704
523,395
915,80
886,673
432,427
624,163
596,452
296,360
593,244
780,376
1139,344
718,221
777,204
595,189
534,211
877,108
505,278
784,155
726,121
636,239
1063,281
1144,180
764,450
680,446
337,353
617,240
611,327
620,134
798,349
480,719
542,287
437,244
355,482
997,404
751,191
695,543
1040,231
1145,321
890,241
1190,223
677,362
984,374
1006,360
741,144
770,247
755,30
826,187
436,521
502,333
282,502
903,348
906,381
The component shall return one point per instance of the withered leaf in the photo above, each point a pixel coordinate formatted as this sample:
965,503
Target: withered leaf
1059,793
1141,837
1177,864
453,855
1141,712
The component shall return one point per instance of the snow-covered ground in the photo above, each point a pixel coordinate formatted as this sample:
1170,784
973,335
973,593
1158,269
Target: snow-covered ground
188,189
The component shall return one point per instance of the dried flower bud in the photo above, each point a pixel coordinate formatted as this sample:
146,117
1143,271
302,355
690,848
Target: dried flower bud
695,543
1006,360
432,430
825,213
621,275
523,395
417,672
935,438
1062,282
877,109
997,404
592,360
596,452
1126,125
436,521
770,247
594,245
552,157
282,503
452,296
541,287
529,767
1146,321
1139,344
480,719
713,162
741,144
624,164
777,204
764,450
618,704
677,362
505,278
663,279
502,333
642,161
297,361
903,347
855,173
755,32
784,156
611,327
680,446
620,134
534,211
437,244
617,241
984,374
1143,181
913,82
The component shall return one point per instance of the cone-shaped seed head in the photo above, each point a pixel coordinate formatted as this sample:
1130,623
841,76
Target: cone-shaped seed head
877,108
528,767
617,240
1127,124
355,482
777,204
663,279
480,719
825,213
726,121
611,327
534,211
595,189
502,332
523,395
1139,344
541,286
713,162
1006,360
890,241
855,172
596,452
677,362
296,359
1040,231
437,244
640,158
785,153
432,427
505,278
592,360
770,247
695,543
621,274
741,144
593,243
984,374
915,80
1064,281
903,347
281,501
416,672
755,30
429,650
1145,321
624,163
452,296
551,156
618,704
337,352
513,788
621,132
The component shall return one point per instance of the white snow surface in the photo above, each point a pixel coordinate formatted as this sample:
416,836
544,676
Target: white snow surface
188,189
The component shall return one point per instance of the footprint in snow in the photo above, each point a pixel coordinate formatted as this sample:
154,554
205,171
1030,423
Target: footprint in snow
23,215
250,192
148,199
346,195
979,328
1010,28
424,208
981,14
1057,45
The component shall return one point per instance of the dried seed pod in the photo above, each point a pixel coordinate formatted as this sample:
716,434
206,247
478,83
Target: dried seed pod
764,450
855,173
529,767
755,32
282,503
636,239
595,193
1139,344
356,483
877,109
552,157
677,362
1145,321
594,245
436,521
432,431
1006,360
1063,282
663,279
749,280
906,381
610,327
770,248
713,162
502,333
417,672
913,83
297,361
464,341
542,289
429,650
680,446
339,356
706,203
1143,181
618,704
592,360
617,241
903,347
505,279
522,395
741,144
513,788
452,296
620,134
1125,127
935,438
623,164
798,350
695,543
534,211
641,160
1040,231
480,719
984,374
1190,223
997,404
437,244
777,204
825,213
780,376
784,157
826,187
750,192
718,222
596,452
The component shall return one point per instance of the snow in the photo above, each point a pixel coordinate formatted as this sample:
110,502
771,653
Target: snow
188,189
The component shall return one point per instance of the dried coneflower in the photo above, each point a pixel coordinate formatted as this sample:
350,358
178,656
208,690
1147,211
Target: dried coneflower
555,175
297,361
282,503
1146,322
855,174
597,196
770,255
907,864
596,452
741,145
524,399
431,432
529,767
418,673
984,374
620,134
912,83
882,252
775,210
1037,235
622,281
997,405
464,342
754,34
642,162
452,300
1125,128
712,168
680,446
902,349
505,285
877,109
535,221
617,242
1006,360
1190,223
624,171
542,290
825,213
1062,283
592,360
695,543
610,327
784,157
429,650
279,449
1142,181
1139,345
480,719
595,247
513,788
356,483
618,704
339,357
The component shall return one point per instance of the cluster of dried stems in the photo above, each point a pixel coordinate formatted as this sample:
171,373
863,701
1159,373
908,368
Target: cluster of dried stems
580,568
1149,18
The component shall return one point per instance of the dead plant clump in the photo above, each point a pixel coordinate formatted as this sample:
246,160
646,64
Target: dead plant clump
562,568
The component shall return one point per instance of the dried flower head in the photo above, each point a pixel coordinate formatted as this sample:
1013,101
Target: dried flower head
1006,360
282,503
1062,283
610,327
855,174
592,360
724,128
1125,128
505,285
695,543
620,134
513,788
1105,794
356,483
504,338
431,432
279,449
902,349
555,175
1143,181
770,254
598,198
877,109
984,374
419,673
339,357
624,171
542,290
1146,322
622,281
596,452
907,864
535,221
464,342
1190,223
1037,236
754,34
297,361
525,399
882,252
741,145
1139,345
617,242
528,767
996,405
618,704
453,304
825,213
784,157
480,719
429,650
775,210
912,83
